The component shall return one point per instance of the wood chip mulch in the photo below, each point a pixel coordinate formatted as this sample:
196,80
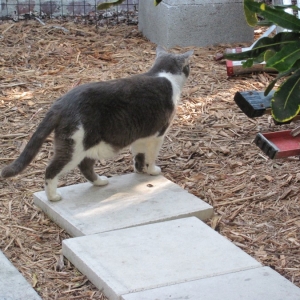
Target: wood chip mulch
209,150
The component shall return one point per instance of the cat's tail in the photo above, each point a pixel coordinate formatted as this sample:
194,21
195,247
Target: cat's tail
33,146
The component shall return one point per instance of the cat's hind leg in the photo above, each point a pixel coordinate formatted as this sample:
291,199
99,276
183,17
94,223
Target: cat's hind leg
54,170
66,158
86,167
145,152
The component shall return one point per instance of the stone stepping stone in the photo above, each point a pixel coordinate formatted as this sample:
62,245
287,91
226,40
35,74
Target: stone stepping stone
13,286
127,201
142,258
255,284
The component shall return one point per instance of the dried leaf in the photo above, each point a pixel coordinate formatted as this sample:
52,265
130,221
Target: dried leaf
215,221
34,280
30,103
60,263
269,178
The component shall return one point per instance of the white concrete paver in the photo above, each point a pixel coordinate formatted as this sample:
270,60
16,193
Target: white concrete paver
255,284
127,201
136,240
150,256
13,286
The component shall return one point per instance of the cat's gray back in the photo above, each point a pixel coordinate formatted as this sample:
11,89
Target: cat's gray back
106,110
120,111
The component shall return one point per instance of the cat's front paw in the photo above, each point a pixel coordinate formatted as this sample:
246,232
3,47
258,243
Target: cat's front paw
55,197
101,180
155,170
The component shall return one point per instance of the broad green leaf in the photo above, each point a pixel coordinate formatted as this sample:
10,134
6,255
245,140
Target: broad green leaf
260,58
270,87
106,5
286,101
265,23
264,44
283,60
248,63
252,6
293,7
295,67
251,16
268,54
275,15
156,2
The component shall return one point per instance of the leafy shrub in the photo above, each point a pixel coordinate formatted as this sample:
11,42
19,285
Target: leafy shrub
281,52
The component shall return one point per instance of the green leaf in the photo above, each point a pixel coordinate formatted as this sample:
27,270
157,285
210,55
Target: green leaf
260,58
293,7
252,6
270,87
248,63
295,67
268,54
264,23
275,15
283,60
264,44
286,102
106,5
251,16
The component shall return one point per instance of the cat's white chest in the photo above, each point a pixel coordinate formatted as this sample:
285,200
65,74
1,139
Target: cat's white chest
177,82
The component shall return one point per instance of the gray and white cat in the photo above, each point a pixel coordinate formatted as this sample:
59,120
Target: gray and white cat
97,120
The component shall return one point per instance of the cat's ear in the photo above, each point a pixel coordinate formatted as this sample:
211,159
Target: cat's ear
160,50
188,54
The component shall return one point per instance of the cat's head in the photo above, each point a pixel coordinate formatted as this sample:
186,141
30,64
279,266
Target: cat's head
176,64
